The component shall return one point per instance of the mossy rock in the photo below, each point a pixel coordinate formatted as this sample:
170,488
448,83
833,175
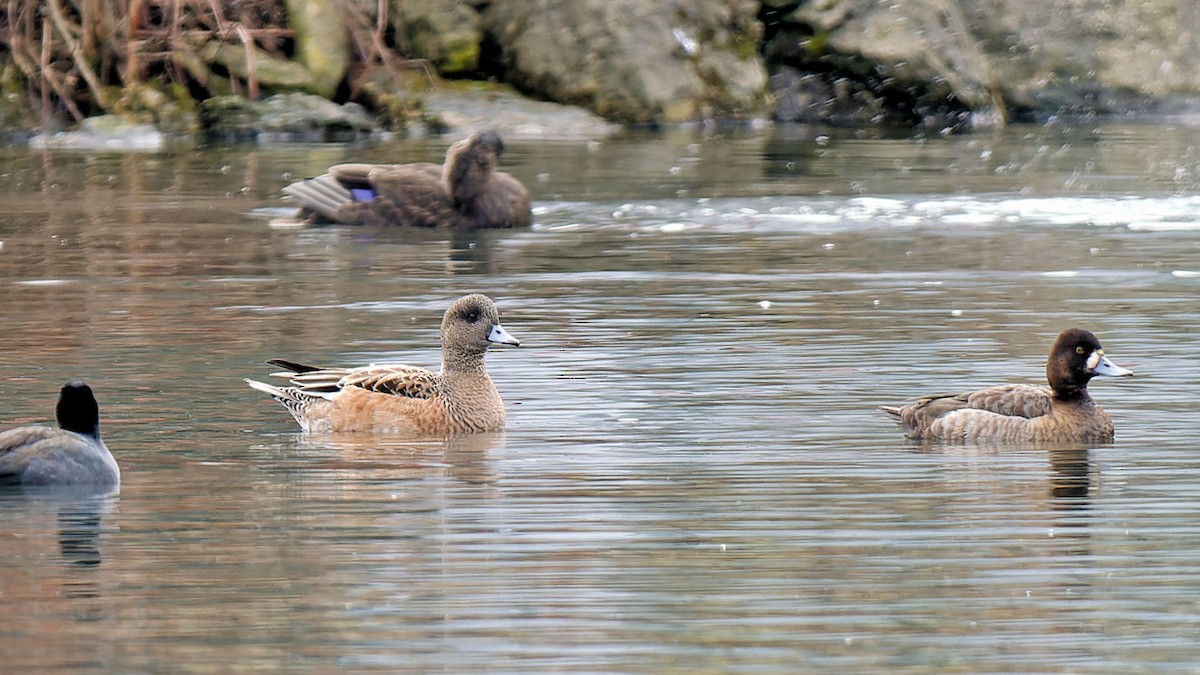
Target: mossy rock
286,117
446,33
168,107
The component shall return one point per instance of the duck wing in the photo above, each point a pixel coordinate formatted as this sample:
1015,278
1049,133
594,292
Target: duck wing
1017,400
14,440
389,379
412,195
16,447
320,199
1006,401
394,380
361,175
376,195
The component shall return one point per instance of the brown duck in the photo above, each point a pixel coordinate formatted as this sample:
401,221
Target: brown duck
406,400
1021,413
466,192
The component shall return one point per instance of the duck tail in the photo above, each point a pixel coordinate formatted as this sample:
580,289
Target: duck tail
893,412
288,397
279,393
292,366
322,195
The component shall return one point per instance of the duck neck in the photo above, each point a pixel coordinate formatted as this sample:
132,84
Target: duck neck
462,364
1072,393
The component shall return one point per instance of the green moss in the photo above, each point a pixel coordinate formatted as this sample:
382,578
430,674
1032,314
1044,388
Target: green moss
462,56
817,45
745,47
395,97
14,113
167,106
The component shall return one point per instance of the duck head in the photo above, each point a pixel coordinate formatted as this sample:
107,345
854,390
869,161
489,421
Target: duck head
470,326
469,166
77,409
1075,359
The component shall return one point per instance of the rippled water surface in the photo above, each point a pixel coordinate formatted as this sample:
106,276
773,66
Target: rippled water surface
694,476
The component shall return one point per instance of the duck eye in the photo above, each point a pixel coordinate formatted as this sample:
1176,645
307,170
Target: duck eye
472,316
1079,350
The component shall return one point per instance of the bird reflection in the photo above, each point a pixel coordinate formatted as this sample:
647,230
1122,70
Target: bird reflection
464,457
79,513
79,516
79,535
1070,477
471,252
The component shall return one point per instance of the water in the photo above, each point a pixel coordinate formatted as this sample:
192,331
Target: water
693,477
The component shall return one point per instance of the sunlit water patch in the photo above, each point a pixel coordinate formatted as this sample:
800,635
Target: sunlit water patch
823,214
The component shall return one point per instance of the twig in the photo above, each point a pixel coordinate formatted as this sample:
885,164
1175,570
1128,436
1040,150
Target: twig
132,64
379,50
48,81
202,33
64,94
44,67
84,70
251,77
218,15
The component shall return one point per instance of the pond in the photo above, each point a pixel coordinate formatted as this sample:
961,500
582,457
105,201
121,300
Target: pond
694,475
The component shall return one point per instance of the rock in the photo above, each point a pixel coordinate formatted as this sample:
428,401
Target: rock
168,107
446,33
914,63
323,52
106,132
634,61
395,96
269,71
1049,58
476,107
958,63
284,117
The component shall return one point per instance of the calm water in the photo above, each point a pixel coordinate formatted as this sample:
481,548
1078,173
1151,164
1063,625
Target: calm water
693,477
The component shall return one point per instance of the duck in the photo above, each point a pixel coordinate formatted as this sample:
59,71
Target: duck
71,455
401,399
1064,412
464,193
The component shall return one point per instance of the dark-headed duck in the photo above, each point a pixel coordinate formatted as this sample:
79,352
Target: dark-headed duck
1021,413
406,400
466,192
70,455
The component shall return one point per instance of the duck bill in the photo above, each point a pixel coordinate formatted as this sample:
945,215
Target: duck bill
499,336
1107,368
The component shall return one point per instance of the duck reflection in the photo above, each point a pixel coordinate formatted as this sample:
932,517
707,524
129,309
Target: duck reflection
1070,477
471,251
78,515
379,457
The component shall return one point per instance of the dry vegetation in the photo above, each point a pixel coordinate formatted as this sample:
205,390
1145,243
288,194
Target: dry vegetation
76,58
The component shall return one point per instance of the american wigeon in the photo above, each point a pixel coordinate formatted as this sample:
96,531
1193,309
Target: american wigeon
464,193
405,399
72,454
1021,413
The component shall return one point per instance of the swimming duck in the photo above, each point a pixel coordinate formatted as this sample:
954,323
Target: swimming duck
1021,413
72,454
405,399
466,192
